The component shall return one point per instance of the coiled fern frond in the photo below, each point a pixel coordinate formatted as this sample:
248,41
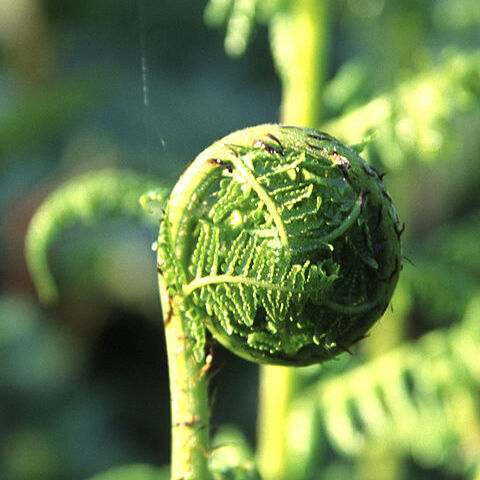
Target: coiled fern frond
283,241
86,199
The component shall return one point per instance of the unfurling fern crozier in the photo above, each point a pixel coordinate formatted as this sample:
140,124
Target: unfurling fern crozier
283,242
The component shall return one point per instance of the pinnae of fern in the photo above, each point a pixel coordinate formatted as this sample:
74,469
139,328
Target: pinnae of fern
277,251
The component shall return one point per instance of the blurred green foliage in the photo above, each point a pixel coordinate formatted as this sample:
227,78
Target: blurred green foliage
83,384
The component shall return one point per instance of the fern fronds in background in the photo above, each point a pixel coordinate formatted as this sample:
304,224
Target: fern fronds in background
416,120
420,399
86,199
413,397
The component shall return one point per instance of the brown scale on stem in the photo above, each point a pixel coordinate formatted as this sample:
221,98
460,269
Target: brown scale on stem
160,265
169,316
208,364
193,422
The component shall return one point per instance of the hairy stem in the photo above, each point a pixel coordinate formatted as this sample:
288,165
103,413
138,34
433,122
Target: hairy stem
188,385
306,45
188,396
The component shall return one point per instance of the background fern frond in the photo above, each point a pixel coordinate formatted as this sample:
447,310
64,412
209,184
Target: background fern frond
88,198
419,398
415,120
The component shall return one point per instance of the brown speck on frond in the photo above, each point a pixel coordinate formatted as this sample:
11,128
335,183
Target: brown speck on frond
217,162
315,147
368,172
275,139
320,136
359,339
400,230
387,196
364,199
384,309
339,160
267,147
345,349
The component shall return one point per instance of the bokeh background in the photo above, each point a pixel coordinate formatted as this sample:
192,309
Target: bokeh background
145,85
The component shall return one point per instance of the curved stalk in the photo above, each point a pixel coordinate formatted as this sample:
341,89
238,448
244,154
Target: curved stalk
188,396
188,384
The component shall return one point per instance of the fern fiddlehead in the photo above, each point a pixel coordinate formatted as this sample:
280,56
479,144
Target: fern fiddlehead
279,239
284,242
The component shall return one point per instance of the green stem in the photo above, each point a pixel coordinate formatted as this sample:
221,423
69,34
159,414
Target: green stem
188,396
300,53
277,387
188,384
305,48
